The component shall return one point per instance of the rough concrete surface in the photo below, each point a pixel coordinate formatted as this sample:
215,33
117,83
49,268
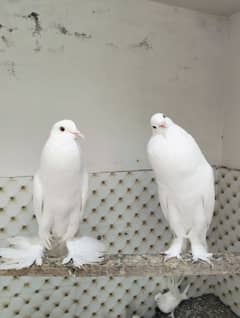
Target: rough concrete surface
207,306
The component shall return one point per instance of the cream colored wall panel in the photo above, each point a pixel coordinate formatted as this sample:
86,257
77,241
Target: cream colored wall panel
124,212
109,67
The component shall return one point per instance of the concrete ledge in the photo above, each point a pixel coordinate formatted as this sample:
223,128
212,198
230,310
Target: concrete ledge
135,265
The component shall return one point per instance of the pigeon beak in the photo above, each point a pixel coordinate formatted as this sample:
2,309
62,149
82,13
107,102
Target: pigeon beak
78,134
163,125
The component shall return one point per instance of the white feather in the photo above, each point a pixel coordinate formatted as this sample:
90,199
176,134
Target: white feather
168,300
84,189
21,253
85,250
185,183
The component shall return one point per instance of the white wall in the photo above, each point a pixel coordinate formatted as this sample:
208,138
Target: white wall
141,57
231,144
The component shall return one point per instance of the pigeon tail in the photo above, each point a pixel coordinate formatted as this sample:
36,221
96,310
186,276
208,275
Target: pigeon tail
22,252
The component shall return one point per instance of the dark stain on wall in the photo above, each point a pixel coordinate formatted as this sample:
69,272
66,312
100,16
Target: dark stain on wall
144,44
63,30
100,11
37,27
10,30
5,41
82,36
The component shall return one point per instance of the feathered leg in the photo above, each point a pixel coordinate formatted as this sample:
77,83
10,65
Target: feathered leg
73,225
199,250
197,237
179,241
175,248
81,251
84,250
44,231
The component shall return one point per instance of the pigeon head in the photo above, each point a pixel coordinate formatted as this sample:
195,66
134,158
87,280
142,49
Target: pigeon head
160,123
66,128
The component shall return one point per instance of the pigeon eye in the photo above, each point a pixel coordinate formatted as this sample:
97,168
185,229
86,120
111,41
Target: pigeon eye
154,127
164,116
62,128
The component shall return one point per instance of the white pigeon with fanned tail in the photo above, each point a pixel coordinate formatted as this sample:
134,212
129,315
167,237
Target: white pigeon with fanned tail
185,185
60,190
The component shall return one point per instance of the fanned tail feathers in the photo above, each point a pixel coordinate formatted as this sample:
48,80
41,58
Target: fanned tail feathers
21,253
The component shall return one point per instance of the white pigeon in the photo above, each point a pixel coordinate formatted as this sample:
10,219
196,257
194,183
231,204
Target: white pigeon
60,194
60,185
168,299
185,185
60,190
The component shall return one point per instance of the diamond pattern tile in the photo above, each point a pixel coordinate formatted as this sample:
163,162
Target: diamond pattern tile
123,211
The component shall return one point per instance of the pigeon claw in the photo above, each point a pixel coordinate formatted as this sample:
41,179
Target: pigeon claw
169,255
83,251
172,252
206,257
